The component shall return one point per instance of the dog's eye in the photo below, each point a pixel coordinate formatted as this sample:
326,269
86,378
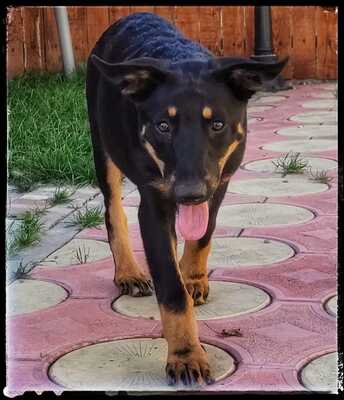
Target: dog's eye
163,127
217,126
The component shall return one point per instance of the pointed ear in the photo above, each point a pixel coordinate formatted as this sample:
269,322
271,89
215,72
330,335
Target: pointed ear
246,76
136,78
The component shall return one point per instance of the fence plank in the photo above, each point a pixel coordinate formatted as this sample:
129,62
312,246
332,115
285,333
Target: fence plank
303,50
166,12
249,30
51,42
281,35
136,9
78,29
34,54
210,29
233,22
115,13
187,20
15,50
97,23
327,44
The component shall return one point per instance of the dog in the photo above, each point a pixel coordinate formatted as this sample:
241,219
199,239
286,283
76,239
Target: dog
171,117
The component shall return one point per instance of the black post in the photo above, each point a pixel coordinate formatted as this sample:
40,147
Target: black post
263,48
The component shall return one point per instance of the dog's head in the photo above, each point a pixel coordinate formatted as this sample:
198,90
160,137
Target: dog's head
192,117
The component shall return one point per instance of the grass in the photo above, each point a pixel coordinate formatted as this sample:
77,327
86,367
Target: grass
49,139
291,163
60,196
320,176
81,255
89,218
22,271
28,233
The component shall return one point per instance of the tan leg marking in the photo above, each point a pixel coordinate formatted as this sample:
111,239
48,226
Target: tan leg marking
186,359
193,265
128,275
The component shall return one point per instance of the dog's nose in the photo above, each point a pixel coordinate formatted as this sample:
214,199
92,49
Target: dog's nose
190,192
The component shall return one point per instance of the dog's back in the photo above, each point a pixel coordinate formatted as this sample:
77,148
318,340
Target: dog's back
147,35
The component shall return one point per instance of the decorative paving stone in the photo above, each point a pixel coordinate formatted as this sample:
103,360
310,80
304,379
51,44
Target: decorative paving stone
27,295
226,299
310,131
257,108
268,166
302,145
318,117
327,95
130,364
230,252
320,104
287,186
256,215
331,305
321,373
78,251
269,99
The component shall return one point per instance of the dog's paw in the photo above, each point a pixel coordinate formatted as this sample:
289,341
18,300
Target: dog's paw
190,369
135,286
198,289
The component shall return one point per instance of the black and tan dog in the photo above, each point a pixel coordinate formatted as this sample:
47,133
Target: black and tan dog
172,118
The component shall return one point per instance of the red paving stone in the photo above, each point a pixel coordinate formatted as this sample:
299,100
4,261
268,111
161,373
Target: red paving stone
276,342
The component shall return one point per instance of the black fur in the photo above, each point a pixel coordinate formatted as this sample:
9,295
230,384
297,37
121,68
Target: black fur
139,67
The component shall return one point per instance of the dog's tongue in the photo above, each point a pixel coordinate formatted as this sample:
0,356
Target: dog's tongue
193,220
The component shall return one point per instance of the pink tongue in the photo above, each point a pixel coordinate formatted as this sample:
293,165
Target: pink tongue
193,220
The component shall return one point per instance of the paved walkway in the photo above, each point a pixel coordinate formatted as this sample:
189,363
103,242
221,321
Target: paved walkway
270,321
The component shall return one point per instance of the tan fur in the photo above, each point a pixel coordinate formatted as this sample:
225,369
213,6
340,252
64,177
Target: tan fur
207,112
172,111
152,153
238,129
193,266
126,266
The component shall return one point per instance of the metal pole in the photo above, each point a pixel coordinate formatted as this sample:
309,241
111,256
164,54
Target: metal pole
65,39
263,48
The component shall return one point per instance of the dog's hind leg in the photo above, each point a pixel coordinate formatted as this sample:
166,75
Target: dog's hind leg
193,264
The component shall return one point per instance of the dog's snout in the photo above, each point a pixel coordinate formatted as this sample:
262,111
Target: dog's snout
190,192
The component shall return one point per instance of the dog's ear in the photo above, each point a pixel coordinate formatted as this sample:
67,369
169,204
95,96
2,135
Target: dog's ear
136,78
246,76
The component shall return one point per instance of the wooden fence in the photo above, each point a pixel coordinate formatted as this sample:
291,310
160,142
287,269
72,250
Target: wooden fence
308,34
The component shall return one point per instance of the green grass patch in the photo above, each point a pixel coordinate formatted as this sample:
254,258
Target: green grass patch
28,233
88,218
291,163
60,196
320,176
49,138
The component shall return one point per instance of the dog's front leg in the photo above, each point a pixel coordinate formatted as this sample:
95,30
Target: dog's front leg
187,361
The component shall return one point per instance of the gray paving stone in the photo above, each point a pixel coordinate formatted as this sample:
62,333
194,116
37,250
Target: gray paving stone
258,108
321,104
270,99
316,117
26,295
310,131
226,299
128,364
302,145
331,305
321,374
262,215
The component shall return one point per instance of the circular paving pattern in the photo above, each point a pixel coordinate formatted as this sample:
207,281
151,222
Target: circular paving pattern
131,213
331,305
28,295
318,117
261,215
226,299
291,185
269,99
310,131
320,104
326,95
321,373
268,166
231,252
78,251
302,145
257,108
130,364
